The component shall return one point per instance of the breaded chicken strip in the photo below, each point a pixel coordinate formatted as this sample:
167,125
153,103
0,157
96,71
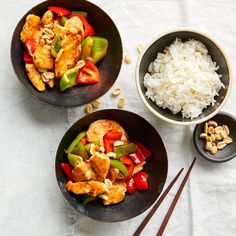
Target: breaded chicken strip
59,30
75,26
72,26
68,55
51,83
47,17
42,57
32,27
93,188
35,77
72,34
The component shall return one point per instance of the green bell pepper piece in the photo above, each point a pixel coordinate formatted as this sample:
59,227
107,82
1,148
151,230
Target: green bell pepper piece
73,159
86,46
87,147
68,79
99,49
56,46
94,48
76,141
119,165
80,151
83,13
125,150
63,20
87,198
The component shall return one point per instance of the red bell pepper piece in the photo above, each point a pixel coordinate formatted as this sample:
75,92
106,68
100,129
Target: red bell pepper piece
60,11
140,181
88,29
137,157
88,74
141,155
32,43
130,186
109,138
27,58
146,153
129,164
67,168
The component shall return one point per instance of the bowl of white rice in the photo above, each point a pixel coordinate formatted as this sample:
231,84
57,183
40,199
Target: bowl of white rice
183,77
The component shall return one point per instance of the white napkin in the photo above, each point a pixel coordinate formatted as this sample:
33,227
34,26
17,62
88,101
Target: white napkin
208,203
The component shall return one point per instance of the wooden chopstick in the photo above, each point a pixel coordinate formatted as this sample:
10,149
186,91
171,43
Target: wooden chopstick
175,200
155,207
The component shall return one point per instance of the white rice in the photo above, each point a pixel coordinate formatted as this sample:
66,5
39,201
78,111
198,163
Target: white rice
183,78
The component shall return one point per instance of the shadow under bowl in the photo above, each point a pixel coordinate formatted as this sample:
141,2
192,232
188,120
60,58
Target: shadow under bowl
157,165
109,66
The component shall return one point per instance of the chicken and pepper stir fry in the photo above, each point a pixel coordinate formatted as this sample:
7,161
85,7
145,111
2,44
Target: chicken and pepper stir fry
104,164
61,46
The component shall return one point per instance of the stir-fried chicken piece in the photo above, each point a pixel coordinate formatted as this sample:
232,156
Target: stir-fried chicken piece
47,17
93,188
59,30
68,55
72,34
94,169
116,194
35,77
42,57
83,171
100,164
71,27
32,27
99,128
75,26
113,174
51,83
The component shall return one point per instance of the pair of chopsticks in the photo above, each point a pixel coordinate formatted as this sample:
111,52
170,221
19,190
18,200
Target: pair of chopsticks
162,197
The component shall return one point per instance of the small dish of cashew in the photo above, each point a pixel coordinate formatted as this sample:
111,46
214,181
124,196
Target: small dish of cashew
215,139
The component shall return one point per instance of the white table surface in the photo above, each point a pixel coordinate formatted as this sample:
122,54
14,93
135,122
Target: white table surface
30,201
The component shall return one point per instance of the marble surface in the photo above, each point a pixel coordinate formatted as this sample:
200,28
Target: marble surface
30,200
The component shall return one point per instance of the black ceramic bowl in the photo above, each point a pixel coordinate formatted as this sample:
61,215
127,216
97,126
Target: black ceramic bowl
226,154
156,167
217,54
109,66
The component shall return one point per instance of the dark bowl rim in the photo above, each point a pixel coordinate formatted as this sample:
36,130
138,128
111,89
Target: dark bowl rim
31,93
138,79
200,152
73,204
